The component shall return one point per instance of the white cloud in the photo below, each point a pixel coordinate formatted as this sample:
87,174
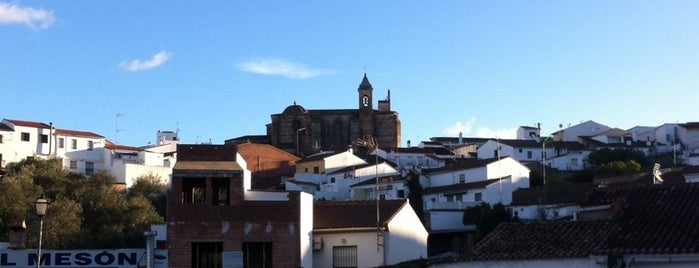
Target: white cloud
279,67
138,65
469,129
35,18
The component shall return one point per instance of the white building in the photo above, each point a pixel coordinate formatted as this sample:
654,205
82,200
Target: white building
560,155
589,128
348,234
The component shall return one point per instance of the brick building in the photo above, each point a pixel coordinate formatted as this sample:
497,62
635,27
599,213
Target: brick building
214,219
304,132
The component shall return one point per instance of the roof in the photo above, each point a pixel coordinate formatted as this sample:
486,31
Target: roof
614,132
657,219
459,187
462,164
652,219
319,156
208,165
112,146
690,125
359,166
455,140
301,182
353,214
27,123
552,194
4,127
77,133
550,240
365,82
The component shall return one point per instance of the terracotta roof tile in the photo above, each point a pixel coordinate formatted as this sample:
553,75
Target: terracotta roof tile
353,214
550,240
27,123
77,133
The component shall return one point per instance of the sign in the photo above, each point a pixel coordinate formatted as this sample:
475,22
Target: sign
232,259
121,258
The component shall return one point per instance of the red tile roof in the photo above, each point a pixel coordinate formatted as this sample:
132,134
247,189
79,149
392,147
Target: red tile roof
28,123
653,219
551,240
353,214
658,219
77,133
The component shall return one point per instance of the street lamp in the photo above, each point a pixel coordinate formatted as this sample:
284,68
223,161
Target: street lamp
41,205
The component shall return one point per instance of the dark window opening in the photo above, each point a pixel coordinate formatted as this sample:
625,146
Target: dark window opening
257,254
316,170
44,138
207,254
221,191
193,191
25,136
401,193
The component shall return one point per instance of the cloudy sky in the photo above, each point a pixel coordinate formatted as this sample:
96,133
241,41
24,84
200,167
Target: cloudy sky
217,69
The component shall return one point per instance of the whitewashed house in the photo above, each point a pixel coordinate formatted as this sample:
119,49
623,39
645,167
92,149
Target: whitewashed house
528,133
589,128
21,139
418,158
560,155
448,190
349,234
688,135
389,188
82,151
336,185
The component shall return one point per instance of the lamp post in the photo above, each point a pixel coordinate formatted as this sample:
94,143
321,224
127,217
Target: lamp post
41,205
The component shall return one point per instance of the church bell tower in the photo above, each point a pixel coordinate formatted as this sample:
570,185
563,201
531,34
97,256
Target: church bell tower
366,110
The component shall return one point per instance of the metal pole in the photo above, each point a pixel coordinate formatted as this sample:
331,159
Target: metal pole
38,250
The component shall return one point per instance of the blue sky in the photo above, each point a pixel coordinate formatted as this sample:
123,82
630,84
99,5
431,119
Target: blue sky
218,69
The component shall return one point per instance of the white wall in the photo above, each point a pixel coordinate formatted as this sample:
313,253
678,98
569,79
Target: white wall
306,229
367,253
406,238
446,220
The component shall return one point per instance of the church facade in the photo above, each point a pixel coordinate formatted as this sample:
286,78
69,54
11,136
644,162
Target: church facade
304,132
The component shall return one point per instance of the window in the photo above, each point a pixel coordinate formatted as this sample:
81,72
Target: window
400,193
478,197
43,138
257,254
0,138
496,153
61,143
462,178
529,154
520,150
90,145
89,168
332,179
305,170
74,165
25,136
344,256
221,186
193,191
73,144
316,170
207,254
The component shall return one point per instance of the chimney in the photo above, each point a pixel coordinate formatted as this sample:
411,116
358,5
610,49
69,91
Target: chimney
408,143
461,137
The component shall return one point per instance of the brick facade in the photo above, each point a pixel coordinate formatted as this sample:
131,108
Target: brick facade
240,221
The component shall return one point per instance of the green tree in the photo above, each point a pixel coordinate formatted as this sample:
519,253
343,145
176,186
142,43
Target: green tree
83,212
486,217
153,188
415,194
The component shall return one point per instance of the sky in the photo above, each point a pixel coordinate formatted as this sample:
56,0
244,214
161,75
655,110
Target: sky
216,70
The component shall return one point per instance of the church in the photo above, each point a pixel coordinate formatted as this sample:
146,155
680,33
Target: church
304,132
